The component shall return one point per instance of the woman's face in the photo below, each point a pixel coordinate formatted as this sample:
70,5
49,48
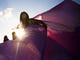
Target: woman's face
24,17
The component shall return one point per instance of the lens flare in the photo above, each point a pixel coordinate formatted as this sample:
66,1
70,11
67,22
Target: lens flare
19,32
22,34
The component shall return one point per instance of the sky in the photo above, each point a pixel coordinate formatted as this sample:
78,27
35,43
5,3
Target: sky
10,12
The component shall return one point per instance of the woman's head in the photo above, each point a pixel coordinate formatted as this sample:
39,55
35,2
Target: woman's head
24,17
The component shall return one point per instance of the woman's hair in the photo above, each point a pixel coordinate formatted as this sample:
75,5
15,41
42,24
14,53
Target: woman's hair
27,16
24,21
39,22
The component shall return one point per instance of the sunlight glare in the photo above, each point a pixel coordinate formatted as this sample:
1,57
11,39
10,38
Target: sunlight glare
20,33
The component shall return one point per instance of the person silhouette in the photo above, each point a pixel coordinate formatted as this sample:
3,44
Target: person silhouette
26,21
6,38
24,18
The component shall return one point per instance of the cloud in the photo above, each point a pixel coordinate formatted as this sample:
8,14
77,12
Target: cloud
7,13
1,13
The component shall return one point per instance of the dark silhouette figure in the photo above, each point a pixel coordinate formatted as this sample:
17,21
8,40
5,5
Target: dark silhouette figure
14,35
24,18
6,38
26,21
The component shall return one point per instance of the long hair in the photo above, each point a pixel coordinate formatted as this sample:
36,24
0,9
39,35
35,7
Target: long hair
24,22
27,16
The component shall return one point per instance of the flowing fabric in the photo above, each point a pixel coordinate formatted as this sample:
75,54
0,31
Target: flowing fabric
28,48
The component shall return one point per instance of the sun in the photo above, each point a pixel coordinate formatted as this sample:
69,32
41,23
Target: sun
19,32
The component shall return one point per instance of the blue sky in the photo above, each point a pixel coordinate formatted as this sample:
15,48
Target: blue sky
10,11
